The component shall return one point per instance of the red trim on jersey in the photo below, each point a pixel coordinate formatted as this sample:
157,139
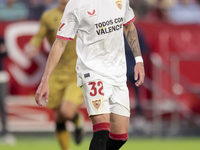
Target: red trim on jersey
64,38
101,126
129,22
122,137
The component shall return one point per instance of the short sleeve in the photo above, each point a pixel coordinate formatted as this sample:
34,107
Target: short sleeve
129,14
69,23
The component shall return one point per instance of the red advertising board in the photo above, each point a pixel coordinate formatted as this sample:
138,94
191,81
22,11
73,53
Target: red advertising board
25,75
177,46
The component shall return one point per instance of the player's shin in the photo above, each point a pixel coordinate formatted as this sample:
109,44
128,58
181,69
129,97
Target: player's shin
78,120
100,136
63,136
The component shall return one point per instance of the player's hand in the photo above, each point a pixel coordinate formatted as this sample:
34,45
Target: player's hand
42,91
139,74
31,51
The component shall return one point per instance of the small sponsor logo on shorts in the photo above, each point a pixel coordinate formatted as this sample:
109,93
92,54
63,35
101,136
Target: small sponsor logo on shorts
87,75
96,103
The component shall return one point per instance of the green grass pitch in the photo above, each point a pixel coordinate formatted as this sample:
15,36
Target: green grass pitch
50,143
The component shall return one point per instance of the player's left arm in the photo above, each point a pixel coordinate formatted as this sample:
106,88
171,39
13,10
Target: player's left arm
132,39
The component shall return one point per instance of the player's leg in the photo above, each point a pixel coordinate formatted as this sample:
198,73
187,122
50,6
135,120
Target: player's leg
69,111
62,134
118,131
73,99
101,128
57,86
96,94
119,118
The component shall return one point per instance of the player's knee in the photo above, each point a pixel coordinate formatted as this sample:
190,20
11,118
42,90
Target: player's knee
96,119
67,114
119,129
119,124
68,109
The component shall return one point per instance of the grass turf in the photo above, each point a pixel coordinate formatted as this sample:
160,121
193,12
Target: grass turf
50,143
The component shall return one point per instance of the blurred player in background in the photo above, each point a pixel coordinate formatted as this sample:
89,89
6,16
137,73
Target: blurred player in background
101,65
6,137
65,97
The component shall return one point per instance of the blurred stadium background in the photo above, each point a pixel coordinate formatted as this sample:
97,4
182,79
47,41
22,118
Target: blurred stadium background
165,111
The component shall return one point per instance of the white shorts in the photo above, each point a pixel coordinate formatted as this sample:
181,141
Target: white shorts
102,98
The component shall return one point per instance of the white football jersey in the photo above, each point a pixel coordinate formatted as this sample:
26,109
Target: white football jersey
98,25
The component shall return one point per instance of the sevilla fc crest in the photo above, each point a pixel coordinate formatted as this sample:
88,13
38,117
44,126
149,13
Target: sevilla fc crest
119,4
96,103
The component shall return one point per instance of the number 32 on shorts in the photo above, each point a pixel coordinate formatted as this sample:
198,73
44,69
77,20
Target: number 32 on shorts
96,87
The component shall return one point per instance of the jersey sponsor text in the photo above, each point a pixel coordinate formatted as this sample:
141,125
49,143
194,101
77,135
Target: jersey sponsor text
109,26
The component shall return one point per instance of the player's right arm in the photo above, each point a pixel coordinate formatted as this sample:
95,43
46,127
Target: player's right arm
34,45
54,56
